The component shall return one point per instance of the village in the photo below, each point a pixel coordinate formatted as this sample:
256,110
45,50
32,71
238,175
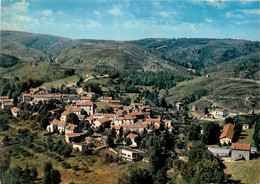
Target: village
109,115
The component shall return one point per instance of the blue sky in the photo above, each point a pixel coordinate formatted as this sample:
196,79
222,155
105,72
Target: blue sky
136,19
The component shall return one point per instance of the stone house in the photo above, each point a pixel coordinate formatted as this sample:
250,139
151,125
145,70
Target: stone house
105,122
71,128
87,106
27,97
80,146
240,151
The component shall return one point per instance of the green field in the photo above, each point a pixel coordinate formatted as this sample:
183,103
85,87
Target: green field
58,83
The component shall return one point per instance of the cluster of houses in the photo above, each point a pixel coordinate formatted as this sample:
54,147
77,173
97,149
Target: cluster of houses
238,151
135,117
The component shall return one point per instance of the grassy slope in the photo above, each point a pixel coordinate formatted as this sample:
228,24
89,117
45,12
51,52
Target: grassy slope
245,171
226,93
244,67
42,71
58,83
247,136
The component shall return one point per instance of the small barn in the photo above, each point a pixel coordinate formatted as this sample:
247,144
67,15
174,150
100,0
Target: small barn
222,152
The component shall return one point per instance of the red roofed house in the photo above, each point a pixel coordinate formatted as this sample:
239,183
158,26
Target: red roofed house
3,98
63,116
220,113
56,125
133,127
74,137
132,137
85,98
240,151
27,97
71,128
227,134
75,110
129,120
87,106
16,111
8,105
38,98
138,115
105,122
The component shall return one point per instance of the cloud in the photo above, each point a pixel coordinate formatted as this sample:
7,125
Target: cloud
20,7
93,24
97,13
15,16
233,14
209,20
47,12
217,3
167,14
250,11
116,11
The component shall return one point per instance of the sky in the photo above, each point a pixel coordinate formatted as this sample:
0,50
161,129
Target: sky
134,19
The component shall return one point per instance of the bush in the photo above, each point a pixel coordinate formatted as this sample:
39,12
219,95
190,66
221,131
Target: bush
66,165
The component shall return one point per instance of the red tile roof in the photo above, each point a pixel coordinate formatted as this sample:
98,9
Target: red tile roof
116,127
47,96
73,108
129,118
70,135
109,115
84,103
228,131
26,94
240,146
221,110
15,109
85,98
8,104
132,136
131,125
91,118
71,126
58,122
3,97
136,114
103,120
116,106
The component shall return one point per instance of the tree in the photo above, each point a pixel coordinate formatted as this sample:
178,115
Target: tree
203,166
128,141
139,175
51,176
72,118
110,140
138,140
211,133
206,110
193,132
44,122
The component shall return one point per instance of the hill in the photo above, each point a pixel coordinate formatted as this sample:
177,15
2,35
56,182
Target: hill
117,55
45,43
200,53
